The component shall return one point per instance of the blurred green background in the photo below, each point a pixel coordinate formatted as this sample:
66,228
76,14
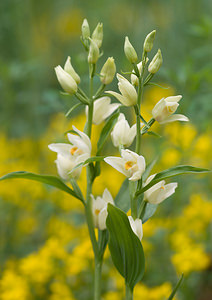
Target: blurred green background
41,231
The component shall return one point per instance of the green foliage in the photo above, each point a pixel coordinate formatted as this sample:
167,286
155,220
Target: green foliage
125,247
47,179
175,171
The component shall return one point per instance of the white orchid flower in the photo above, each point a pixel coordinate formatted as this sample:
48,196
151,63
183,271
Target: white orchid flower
130,164
134,78
136,226
68,156
158,192
163,110
128,96
122,134
102,109
99,209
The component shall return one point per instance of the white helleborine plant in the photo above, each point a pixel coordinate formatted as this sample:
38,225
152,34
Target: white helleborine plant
102,109
128,96
130,164
136,226
67,77
158,192
99,209
70,155
163,110
122,134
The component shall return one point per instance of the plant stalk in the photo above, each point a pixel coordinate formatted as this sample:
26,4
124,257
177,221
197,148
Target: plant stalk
129,292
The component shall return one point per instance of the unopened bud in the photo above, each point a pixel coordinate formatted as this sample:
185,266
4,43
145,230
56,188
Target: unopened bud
66,80
149,40
70,70
108,71
129,51
97,35
93,54
156,63
85,29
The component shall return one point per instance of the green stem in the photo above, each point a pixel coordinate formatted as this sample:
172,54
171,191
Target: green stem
133,200
97,279
89,216
88,209
129,292
140,94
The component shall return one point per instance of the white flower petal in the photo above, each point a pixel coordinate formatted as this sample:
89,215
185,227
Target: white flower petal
173,118
117,163
61,148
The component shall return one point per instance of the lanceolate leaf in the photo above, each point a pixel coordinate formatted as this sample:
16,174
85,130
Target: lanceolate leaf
106,131
88,161
125,247
149,169
122,199
175,171
72,109
176,288
50,180
149,211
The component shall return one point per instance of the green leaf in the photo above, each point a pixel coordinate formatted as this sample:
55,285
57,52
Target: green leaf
102,241
175,171
149,169
76,188
158,85
122,199
150,132
106,131
176,288
125,247
88,161
48,179
149,211
72,109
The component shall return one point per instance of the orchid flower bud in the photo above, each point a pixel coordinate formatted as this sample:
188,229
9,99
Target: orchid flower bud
149,40
97,35
70,70
156,63
108,71
85,29
164,109
136,226
93,54
66,80
129,51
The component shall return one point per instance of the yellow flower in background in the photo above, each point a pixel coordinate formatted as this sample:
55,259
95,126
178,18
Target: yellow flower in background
14,287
